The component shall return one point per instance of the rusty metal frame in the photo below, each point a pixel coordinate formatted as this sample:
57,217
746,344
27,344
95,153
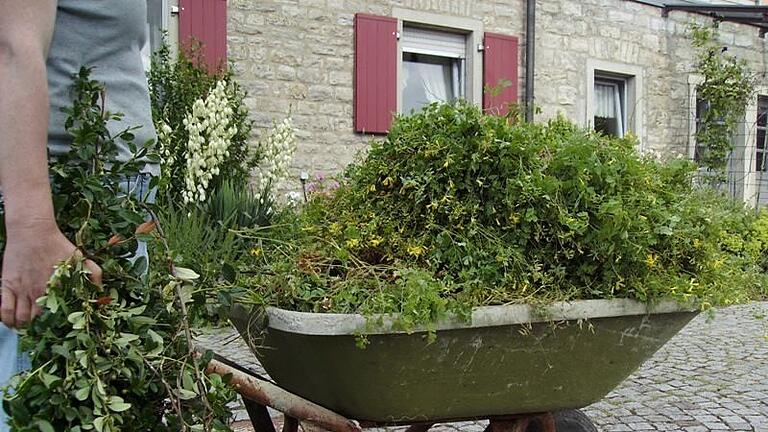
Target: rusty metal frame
295,408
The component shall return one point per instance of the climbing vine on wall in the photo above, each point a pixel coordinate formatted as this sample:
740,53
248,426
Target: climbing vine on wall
726,90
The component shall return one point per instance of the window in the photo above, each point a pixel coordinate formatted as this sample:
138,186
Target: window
610,115
157,23
615,103
433,67
414,58
761,164
701,109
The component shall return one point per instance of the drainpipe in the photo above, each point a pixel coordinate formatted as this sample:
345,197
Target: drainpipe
530,57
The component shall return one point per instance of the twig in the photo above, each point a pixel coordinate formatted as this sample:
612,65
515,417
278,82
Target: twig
184,317
174,401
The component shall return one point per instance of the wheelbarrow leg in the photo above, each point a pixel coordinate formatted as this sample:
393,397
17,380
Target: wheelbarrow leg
259,415
290,424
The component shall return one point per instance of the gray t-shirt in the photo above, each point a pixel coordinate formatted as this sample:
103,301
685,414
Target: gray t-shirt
107,35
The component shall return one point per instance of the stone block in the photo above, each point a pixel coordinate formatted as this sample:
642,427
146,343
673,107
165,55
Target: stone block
340,77
320,92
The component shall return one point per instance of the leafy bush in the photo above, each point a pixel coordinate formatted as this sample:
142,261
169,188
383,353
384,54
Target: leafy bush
116,357
457,209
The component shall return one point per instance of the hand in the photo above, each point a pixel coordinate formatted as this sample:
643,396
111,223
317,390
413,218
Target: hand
32,252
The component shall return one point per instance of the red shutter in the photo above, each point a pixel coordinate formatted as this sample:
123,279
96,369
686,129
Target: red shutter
500,64
205,21
375,72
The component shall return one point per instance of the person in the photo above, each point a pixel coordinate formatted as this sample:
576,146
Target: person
43,43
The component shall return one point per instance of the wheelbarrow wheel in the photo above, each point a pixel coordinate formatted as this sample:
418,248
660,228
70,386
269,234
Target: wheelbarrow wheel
568,421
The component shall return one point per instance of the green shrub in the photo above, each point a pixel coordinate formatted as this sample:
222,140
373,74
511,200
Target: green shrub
467,209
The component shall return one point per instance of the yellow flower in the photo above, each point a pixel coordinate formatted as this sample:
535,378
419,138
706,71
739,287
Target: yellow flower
372,188
375,241
335,228
351,243
696,243
650,260
255,252
388,181
415,250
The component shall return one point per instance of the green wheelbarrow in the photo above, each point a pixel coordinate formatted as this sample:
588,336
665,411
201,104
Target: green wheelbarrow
524,368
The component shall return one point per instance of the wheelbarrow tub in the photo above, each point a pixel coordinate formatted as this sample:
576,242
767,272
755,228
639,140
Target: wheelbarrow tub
511,359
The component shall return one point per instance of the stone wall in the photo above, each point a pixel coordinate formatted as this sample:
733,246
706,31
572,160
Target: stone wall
572,33
296,56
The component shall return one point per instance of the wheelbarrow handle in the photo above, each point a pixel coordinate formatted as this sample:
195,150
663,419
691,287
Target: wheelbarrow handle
268,394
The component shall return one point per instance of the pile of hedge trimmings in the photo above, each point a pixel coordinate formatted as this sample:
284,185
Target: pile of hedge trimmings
456,209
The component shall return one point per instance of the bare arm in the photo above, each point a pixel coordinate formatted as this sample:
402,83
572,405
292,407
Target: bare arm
35,244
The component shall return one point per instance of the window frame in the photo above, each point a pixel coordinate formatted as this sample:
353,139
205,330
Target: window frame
764,99
167,25
472,29
634,102
752,179
458,82
694,80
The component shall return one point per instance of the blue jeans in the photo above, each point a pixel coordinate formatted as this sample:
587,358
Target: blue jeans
11,360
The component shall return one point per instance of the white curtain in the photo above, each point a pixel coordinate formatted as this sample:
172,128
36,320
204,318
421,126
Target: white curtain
608,104
433,78
426,83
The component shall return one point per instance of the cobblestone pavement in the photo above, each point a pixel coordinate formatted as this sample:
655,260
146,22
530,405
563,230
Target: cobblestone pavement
713,376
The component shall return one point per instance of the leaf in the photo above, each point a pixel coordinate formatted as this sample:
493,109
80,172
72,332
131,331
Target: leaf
61,351
117,404
77,319
146,227
185,274
137,310
185,394
100,387
126,338
185,294
51,303
156,338
188,382
48,379
44,426
82,393
98,423
104,300
115,240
